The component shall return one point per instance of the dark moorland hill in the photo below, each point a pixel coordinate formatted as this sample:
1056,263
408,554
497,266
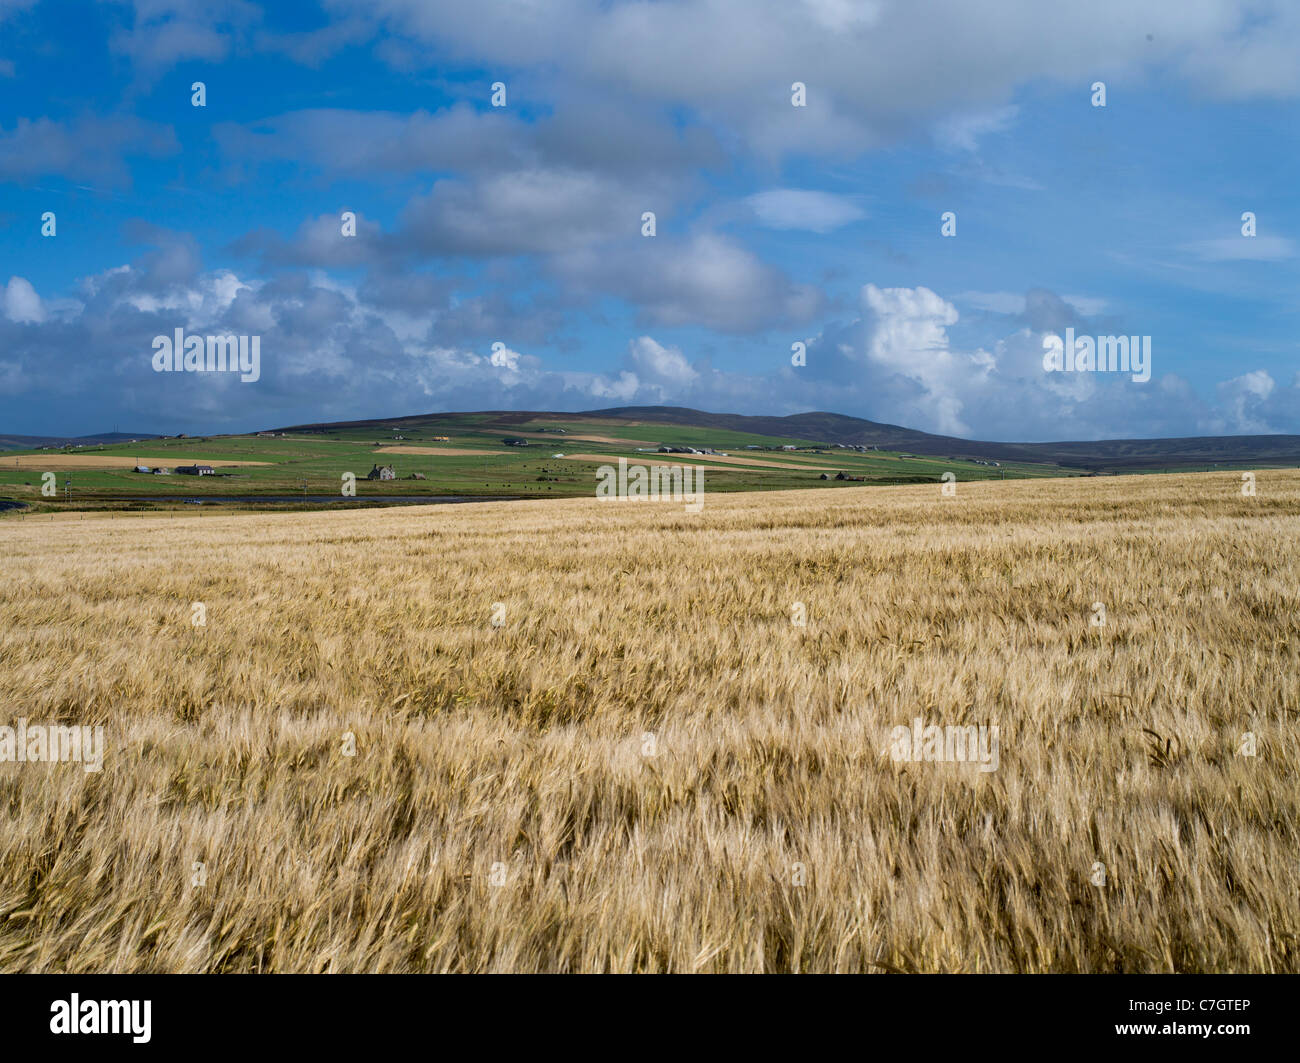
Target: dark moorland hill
10,442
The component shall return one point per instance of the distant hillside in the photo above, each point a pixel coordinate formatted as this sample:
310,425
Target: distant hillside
1107,455
1099,455
32,442
818,427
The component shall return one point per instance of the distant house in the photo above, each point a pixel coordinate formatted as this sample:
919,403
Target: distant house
162,472
196,470
514,441
381,472
142,468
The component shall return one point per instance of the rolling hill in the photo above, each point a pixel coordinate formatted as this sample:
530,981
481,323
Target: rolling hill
1106,455
12,442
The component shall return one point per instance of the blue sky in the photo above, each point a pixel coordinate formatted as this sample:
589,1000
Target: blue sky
521,225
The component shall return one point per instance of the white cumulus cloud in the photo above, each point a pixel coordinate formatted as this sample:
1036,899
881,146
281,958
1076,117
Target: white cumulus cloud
21,303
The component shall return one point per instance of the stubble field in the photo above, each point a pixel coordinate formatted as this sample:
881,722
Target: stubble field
649,765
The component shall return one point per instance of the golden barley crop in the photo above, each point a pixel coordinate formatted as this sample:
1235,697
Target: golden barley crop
574,736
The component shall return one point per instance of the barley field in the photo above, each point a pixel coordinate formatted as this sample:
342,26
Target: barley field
567,736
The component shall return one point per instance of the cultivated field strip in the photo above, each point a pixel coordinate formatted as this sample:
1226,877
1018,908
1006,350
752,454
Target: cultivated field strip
648,766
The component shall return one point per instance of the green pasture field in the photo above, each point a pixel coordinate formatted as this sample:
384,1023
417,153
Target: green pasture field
306,465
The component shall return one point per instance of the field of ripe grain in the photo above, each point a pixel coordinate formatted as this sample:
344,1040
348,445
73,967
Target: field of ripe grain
708,461
647,766
399,448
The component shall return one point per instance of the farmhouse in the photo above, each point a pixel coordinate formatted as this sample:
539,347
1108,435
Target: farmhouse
381,472
514,441
196,470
